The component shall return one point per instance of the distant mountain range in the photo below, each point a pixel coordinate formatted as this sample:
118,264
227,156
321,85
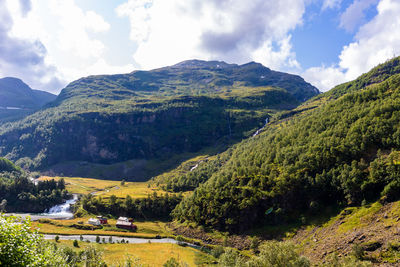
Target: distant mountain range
150,118
18,100
17,94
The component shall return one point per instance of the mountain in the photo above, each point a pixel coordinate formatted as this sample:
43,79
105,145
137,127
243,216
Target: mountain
18,99
15,93
149,118
341,148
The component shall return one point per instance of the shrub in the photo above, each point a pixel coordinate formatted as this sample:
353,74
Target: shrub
217,251
22,246
358,252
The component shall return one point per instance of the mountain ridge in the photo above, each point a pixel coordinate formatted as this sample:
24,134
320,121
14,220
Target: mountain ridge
151,114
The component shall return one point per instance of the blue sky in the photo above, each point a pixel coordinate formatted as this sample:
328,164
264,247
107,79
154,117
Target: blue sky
49,43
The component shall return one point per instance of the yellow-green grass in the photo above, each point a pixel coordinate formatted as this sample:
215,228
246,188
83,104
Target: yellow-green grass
147,229
133,189
359,217
182,169
148,254
106,188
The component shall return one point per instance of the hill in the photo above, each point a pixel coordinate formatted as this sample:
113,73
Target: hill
339,149
17,99
148,118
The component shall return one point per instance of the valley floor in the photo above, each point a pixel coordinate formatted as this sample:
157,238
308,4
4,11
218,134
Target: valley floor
373,229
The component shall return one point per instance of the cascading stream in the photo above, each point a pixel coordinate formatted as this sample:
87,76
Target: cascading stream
62,210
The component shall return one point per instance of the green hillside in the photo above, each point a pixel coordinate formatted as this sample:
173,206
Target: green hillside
337,149
152,115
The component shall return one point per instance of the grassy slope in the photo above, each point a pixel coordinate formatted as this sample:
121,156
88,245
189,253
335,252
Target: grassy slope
374,227
106,188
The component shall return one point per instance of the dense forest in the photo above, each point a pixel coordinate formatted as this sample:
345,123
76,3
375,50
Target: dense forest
342,152
152,115
19,194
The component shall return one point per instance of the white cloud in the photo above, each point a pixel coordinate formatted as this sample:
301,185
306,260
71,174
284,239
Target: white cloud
354,15
96,22
325,78
331,4
23,57
167,32
375,42
67,34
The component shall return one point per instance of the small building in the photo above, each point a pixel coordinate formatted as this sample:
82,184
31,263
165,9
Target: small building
102,220
125,223
94,221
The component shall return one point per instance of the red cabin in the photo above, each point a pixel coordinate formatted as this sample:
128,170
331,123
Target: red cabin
102,220
125,223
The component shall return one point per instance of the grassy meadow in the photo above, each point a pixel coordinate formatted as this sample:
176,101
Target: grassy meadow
148,254
146,229
106,188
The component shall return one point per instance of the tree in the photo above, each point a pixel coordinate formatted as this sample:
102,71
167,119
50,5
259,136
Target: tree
172,262
75,243
22,246
97,239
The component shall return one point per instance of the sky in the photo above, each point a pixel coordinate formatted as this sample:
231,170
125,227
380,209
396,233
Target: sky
50,43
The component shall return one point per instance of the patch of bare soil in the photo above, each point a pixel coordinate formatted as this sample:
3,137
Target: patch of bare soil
374,233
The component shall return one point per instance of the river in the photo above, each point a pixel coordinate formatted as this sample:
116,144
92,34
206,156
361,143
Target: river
115,239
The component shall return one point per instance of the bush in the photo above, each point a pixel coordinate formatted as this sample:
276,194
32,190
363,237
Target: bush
272,253
231,258
21,246
92,257
358,252
172,262
279,254
75,243
217,251
392,190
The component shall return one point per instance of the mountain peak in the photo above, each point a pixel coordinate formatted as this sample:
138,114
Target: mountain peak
196,63
16,93
13,82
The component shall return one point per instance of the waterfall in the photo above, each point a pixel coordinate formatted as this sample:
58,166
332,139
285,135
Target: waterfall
262,128
62,210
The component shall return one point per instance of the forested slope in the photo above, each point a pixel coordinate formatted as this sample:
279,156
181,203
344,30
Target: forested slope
152,114
342,152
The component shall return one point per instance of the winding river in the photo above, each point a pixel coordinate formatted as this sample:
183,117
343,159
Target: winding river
133,240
